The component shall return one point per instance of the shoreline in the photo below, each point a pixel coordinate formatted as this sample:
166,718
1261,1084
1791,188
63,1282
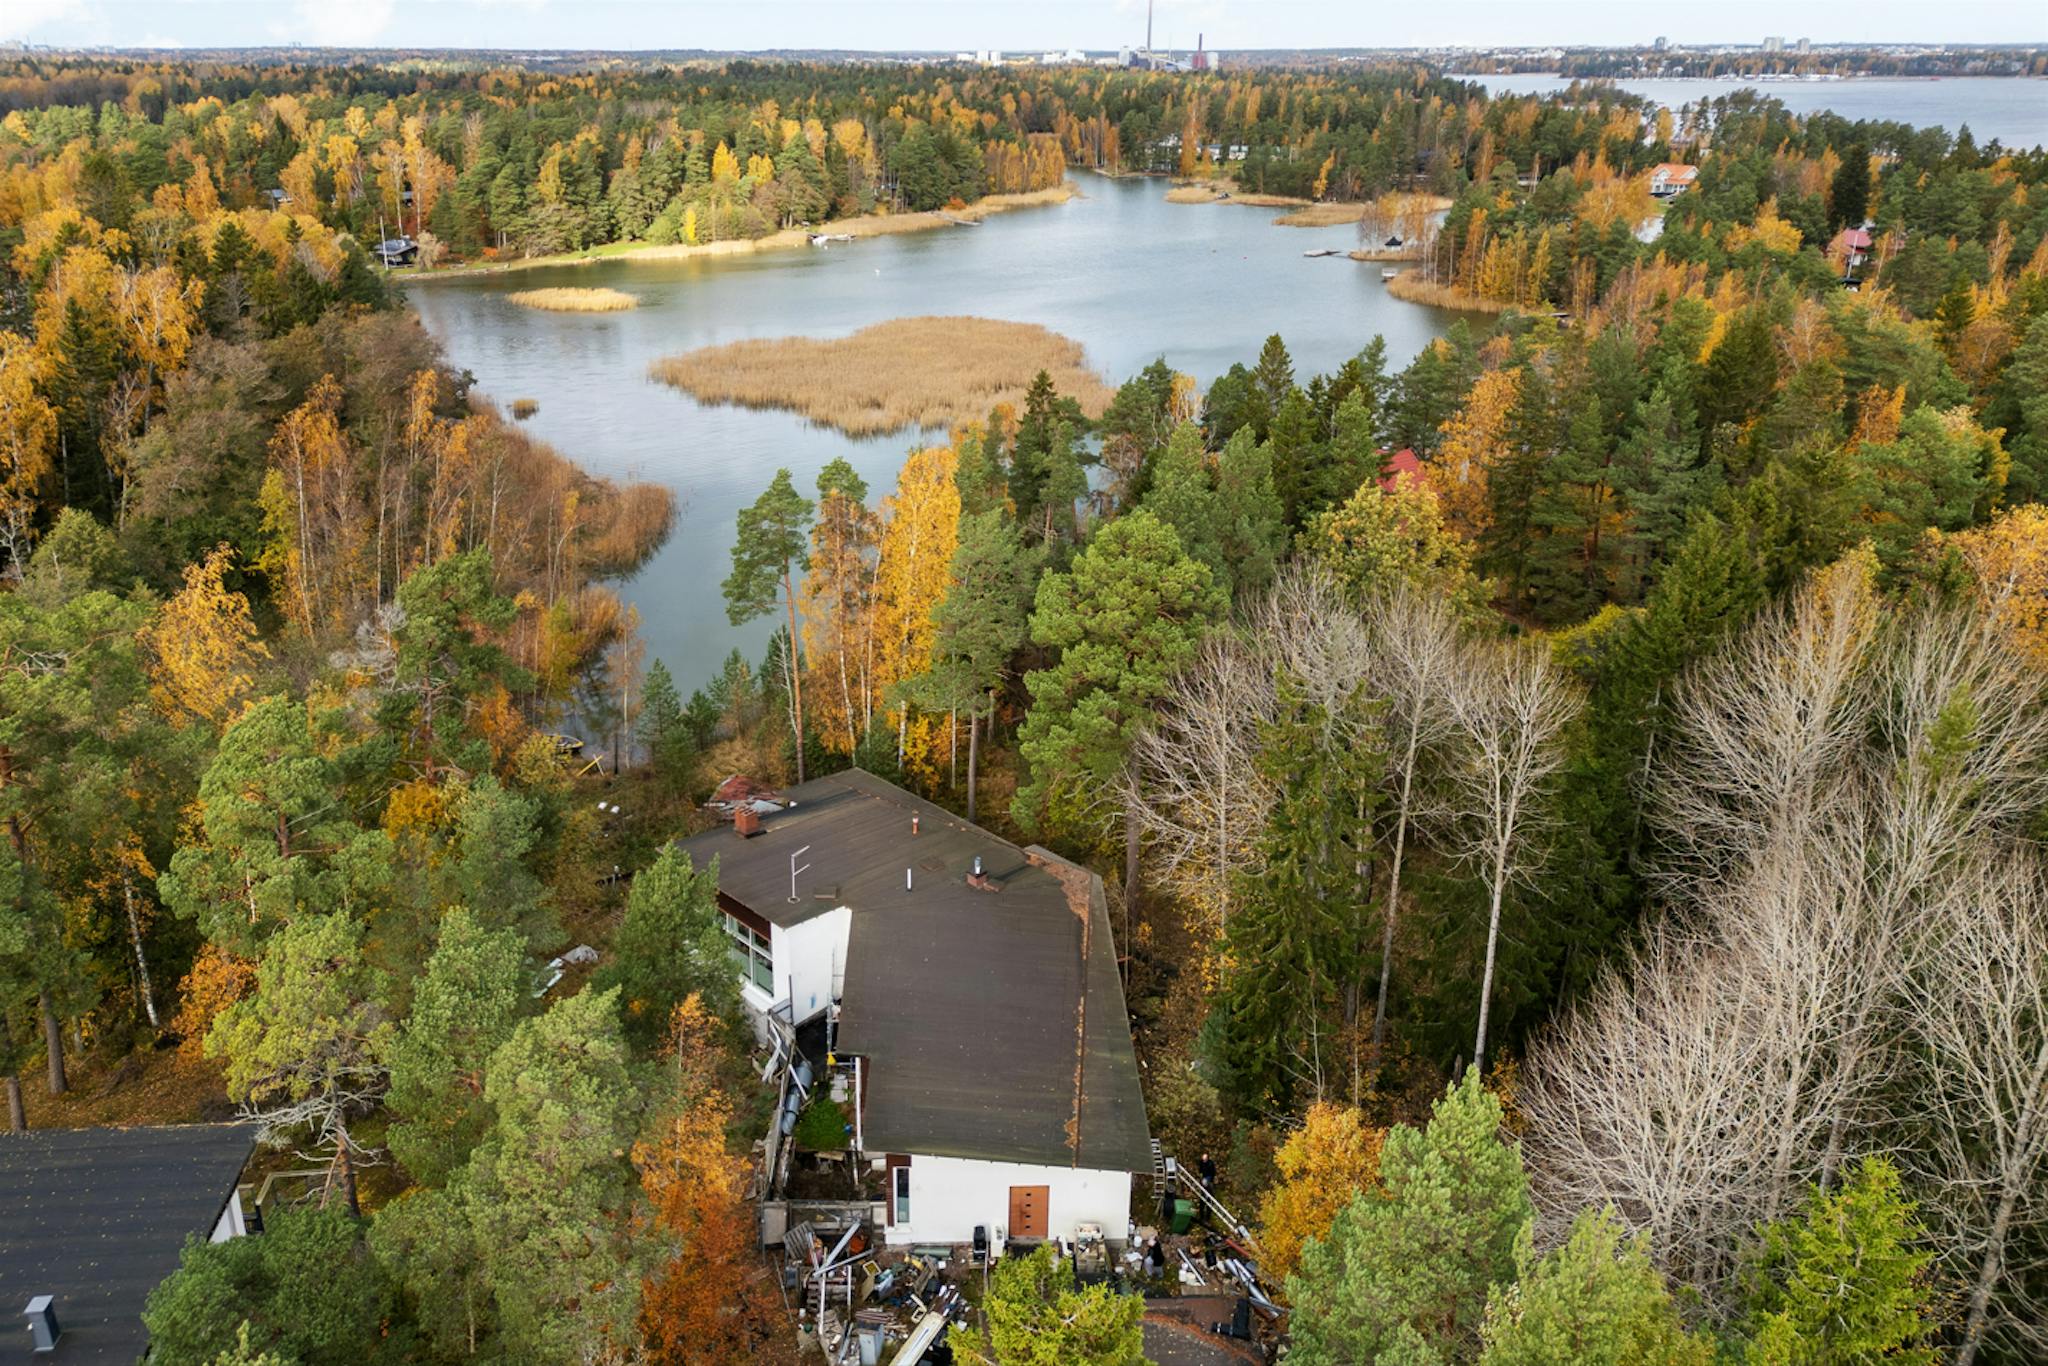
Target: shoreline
1410,288
783,239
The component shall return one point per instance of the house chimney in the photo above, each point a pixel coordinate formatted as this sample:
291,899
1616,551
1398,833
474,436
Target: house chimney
746,821
42,1324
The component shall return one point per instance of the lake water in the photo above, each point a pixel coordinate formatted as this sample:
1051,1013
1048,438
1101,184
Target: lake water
2012,109
1118,269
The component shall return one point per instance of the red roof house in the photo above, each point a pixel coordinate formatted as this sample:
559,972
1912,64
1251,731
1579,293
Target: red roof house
1402,464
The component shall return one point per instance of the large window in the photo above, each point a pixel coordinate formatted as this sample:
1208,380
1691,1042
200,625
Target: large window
902,1194
751,955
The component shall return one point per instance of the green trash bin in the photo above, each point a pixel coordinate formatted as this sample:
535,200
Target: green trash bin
1183,1216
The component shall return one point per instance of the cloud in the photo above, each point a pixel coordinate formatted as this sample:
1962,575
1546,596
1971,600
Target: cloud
337,23
24,17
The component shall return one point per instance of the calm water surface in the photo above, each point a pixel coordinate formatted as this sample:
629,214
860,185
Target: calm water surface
1128,275
2012,109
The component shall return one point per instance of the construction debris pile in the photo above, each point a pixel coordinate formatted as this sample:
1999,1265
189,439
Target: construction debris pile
855,1303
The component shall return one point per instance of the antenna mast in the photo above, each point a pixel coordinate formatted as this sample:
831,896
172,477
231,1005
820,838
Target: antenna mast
794,870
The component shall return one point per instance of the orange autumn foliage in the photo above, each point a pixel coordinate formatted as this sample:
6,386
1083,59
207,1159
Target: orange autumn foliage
1330,1160
710,1301
217,980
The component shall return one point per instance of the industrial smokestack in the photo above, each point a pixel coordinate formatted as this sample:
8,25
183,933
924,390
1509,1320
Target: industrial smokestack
1148,25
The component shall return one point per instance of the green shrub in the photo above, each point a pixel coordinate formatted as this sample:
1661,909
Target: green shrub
822,1127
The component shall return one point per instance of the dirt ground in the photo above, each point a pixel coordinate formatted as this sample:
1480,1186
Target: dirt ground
158,1086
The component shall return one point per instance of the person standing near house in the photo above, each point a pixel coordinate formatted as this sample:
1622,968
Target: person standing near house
1208,1169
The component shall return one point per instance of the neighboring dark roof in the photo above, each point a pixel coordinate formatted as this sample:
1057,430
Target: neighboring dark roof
97,1217
975,1010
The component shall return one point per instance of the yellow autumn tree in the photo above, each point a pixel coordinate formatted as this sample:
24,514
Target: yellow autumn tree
1773,233
1878,414
921,531
1473,439
2008,559
313,506
725,167
203,648
28,437
1330,1160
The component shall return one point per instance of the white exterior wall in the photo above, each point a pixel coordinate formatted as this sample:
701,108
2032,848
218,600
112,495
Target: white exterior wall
950,1195
810,965
230,1224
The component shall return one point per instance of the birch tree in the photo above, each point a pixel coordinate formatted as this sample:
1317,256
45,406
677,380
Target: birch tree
1983,1019
1414,649
1510,705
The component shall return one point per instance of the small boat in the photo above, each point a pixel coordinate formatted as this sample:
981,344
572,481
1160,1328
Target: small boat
819,239
1388,272
1325,251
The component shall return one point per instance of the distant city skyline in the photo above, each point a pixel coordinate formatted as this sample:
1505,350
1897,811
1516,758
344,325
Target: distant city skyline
1010,25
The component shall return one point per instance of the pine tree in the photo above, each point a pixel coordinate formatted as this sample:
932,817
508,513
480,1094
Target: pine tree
1129,612
473,992
1597,1300
768,552
672,944
1035,1316
1417,1263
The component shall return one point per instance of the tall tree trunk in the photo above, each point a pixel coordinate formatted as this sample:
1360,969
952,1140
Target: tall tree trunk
795,666
1379,1014
973,761
1987,1277
53,1046
953,748
135,939
17,1113
1130,857
1486,982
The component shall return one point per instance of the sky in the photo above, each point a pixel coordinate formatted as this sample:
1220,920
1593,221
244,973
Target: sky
1014,25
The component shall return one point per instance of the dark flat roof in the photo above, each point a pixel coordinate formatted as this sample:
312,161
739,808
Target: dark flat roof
97,1217
990,1021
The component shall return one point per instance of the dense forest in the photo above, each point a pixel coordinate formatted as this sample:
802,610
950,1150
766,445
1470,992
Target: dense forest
1574,803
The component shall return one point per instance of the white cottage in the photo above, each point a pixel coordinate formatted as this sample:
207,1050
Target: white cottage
977,990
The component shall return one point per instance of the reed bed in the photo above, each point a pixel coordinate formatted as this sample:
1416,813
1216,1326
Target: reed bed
523,408
1194,194
928,372
1321,215
1410,287
562,299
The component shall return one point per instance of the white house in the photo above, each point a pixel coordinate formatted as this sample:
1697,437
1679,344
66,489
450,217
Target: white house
978,994
1668,178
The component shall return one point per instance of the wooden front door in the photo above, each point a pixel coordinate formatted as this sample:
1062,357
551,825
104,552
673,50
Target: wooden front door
1027,1211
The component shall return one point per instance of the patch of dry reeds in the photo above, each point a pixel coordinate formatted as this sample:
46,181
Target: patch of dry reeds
562,299
1195,194
929,371
1327,215
523,408
1410,287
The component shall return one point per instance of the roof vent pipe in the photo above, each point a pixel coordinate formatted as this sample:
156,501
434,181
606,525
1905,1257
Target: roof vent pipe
906,879
913,822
